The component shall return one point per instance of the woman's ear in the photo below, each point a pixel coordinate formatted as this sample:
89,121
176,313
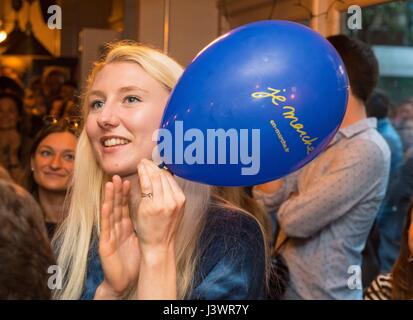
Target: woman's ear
32,163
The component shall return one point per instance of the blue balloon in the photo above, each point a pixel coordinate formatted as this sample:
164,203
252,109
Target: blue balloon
255,105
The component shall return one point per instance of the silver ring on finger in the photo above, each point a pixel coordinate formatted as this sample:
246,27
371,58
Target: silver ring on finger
147,195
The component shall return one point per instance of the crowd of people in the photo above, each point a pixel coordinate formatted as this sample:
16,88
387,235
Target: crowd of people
78,190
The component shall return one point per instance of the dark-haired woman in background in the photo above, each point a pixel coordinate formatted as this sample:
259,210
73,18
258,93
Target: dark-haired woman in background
397,285
51,162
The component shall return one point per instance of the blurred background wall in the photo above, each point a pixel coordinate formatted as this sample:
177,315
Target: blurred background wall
183,27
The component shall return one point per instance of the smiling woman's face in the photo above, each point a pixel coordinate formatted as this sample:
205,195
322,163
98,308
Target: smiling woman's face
53,161
125,108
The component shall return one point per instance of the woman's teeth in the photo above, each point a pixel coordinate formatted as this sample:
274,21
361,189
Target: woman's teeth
114,142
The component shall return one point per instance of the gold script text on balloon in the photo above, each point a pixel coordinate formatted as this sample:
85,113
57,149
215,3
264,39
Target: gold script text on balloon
289,114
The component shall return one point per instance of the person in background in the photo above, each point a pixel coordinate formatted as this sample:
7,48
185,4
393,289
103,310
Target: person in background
36,108
404,123
52,80
25,251
397,285
51,166
68,90
66,108
56,107
66,104
35,84
378,106
398,200
325,211
9,85
383,234
4,175
14,142
12,74
71,108
398,197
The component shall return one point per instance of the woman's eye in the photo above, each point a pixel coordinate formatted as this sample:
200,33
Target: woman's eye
69,157
97,104
45,153
132,99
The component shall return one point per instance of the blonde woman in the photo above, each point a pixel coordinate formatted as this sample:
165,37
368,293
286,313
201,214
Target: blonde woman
134,231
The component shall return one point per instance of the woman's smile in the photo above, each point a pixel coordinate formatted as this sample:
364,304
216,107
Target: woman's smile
112,144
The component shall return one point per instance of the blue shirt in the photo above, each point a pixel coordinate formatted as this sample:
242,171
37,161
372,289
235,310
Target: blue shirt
389,221
389,133
231,265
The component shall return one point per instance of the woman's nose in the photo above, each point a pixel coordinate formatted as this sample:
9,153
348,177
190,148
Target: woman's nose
107,118
56,162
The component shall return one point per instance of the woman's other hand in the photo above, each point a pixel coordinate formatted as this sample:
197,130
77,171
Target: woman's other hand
118,245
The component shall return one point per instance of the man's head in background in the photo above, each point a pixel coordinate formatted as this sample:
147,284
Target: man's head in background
378,105
361,65
404,111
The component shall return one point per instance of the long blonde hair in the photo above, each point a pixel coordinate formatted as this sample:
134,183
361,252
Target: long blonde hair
73,238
